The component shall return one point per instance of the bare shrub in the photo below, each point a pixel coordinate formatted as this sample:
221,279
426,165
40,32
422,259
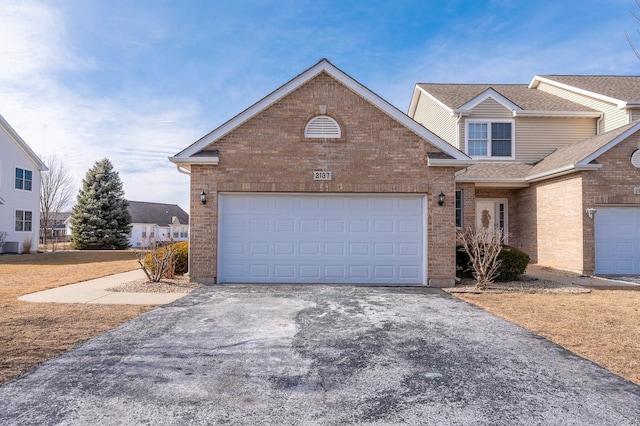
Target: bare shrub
483,248
26,245
157,259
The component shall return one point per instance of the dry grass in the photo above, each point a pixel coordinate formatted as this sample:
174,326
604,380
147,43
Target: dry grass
602,326
34,332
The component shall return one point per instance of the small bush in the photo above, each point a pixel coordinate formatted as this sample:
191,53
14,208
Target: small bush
26,245
514,263
180,253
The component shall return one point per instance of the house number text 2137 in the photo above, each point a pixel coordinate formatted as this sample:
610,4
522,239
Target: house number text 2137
321,175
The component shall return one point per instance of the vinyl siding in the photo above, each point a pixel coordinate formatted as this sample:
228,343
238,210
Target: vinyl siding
613,116
538,137
437,119
489,109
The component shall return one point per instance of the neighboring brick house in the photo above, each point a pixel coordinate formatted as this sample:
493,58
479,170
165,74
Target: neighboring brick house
20,170
159,221
322,181
557,165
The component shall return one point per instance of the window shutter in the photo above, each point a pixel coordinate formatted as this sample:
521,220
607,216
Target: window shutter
323,127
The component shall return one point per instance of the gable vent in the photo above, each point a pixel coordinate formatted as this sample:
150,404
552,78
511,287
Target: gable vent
635,158
323,127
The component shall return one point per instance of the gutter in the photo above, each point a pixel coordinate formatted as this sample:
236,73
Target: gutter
562,171
567,114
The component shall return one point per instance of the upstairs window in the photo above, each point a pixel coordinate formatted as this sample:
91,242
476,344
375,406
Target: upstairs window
24,179
322,127
490,139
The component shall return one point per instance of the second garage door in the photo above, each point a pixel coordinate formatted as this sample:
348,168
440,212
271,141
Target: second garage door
617,240
327,238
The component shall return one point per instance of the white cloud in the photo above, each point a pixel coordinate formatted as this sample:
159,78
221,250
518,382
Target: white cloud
136,132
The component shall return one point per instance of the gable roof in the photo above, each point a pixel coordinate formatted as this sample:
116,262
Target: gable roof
519,98
621,90
158,213
189,155
22,144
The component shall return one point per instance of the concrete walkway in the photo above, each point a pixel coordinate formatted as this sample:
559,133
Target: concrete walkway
94,291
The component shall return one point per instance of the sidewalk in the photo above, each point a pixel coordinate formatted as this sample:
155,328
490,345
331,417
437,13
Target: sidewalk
94,292
543,273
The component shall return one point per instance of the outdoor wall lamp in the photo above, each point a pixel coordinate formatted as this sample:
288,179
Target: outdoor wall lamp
441,199
591,212
203,197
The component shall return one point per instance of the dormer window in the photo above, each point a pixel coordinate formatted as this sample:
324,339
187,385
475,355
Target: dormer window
490,139
322,127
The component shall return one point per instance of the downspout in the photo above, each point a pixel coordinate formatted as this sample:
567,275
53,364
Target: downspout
186,172
458,131
183,171
598,123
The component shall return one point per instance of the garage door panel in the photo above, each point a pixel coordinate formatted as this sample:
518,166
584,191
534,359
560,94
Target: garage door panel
327,238
617,240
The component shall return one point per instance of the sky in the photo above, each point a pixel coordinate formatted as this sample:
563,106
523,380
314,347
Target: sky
137,81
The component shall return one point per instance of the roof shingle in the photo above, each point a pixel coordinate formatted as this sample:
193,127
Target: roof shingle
624,88
456,95
158,213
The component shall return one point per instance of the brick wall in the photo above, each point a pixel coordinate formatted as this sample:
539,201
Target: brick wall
376,154
553,226
611,185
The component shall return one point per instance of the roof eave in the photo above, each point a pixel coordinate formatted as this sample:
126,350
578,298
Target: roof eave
561,114
460,164
186,163
460,112
561,171
494,182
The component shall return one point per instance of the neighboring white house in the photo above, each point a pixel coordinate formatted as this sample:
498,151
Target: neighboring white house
163,222
20,171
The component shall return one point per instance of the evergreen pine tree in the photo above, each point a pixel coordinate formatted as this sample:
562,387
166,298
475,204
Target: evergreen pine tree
100,219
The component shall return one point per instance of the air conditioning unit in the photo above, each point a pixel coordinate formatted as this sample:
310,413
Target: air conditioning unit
11,247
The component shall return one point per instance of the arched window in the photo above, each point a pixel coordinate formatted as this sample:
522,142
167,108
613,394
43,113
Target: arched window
322,127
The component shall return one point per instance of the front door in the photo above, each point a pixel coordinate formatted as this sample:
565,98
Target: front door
491,213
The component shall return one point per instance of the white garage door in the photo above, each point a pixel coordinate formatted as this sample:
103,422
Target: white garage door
330,238
617,240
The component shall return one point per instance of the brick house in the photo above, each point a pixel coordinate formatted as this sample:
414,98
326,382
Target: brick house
557,165
322,181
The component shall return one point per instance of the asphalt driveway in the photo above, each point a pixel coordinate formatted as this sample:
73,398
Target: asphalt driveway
319,355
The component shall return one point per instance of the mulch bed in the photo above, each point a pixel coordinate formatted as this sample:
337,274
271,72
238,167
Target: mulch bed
166,285
526,284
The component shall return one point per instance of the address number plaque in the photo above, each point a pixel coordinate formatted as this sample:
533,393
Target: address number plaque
321,175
